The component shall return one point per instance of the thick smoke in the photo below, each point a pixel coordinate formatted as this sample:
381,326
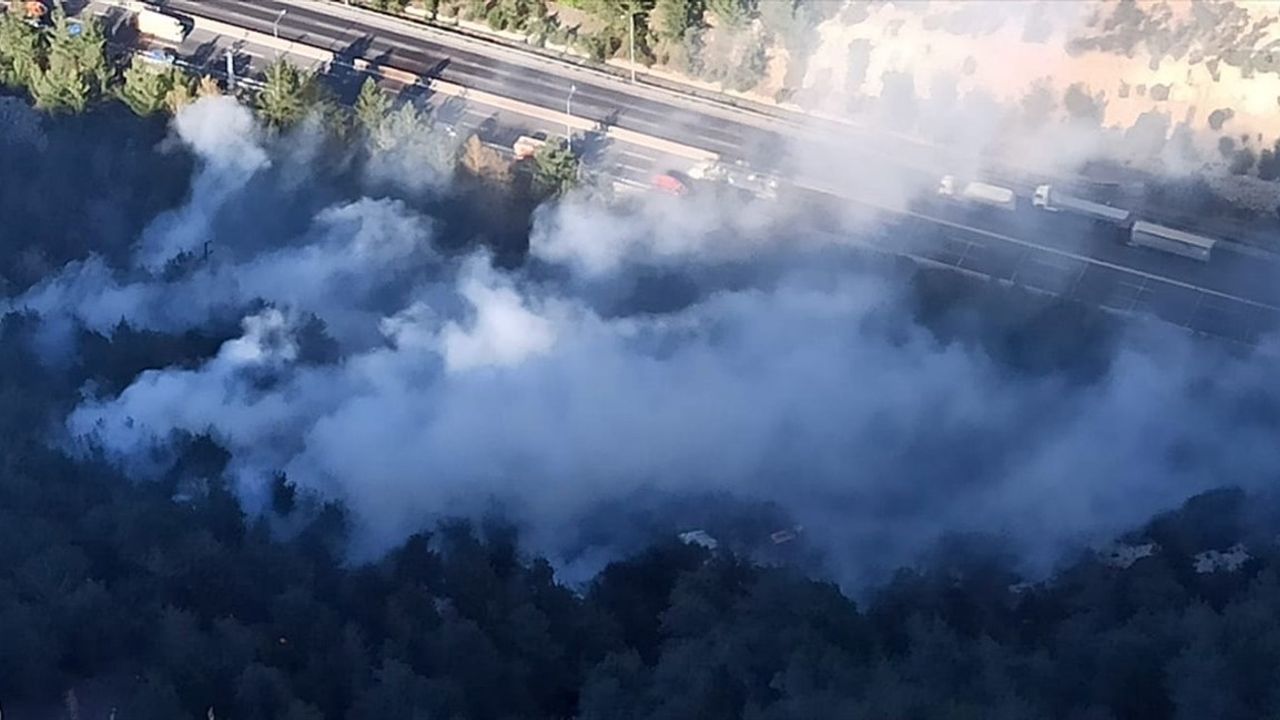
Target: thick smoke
1148,90
224,136
457,388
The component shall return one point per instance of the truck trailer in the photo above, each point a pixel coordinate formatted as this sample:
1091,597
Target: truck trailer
1166,239
1045,197
978,192
161,25
526,146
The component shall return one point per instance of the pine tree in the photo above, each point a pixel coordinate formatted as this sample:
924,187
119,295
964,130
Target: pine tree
22,52
484,162
555,170
145,87
287,96
76,67
676,17
181,91
732,12
372,107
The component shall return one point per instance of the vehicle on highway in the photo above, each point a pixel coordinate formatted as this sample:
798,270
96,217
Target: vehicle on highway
739,176
670,183
709,172
159,57
1140,233
525,146
1170,240
161,26
978,192
1047,198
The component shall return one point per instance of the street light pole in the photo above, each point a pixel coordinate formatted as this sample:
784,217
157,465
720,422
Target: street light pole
568,111
631,15
275,27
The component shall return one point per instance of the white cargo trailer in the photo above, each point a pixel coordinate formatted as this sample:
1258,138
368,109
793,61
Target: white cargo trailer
1178,242
161,25
979,192
526,146
1045,197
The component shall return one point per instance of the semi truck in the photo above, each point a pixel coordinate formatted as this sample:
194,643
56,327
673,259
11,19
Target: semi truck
1170,240
1139,234
978,192
1047,198
161,25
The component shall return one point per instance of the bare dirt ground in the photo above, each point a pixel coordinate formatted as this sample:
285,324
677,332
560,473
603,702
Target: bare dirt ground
1168,87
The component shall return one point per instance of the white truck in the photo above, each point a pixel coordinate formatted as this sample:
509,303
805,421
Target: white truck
1046,198
978,192
526,146
1170,240
161,26
738,175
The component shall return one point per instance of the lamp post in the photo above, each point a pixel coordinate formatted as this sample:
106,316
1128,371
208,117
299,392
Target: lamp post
275,27
631,15
568,111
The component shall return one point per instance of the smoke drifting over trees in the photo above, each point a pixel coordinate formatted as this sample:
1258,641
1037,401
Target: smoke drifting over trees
382,363
244,370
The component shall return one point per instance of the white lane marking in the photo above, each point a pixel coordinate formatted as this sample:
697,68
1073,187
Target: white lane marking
1052,251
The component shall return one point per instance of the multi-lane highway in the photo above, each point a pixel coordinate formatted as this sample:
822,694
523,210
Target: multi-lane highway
1235,295
463,63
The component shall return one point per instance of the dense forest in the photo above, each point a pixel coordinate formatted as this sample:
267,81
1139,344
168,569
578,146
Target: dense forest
176,596
167,598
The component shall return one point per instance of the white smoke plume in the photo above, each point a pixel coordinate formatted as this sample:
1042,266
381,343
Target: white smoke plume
461,387
225,137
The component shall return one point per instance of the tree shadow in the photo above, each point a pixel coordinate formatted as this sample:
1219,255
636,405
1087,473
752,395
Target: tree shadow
450,110
591,146
205,54
353,51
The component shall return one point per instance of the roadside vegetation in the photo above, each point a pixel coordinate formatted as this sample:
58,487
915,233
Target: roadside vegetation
165,599
726,42
64,68
170,599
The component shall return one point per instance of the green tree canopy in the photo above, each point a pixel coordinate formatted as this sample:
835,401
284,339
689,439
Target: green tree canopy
288,95
676,17
22,51
372,107
76,69
732,12
149,89
555,170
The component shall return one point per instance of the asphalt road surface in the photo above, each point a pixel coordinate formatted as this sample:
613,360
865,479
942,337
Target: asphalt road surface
1234,296
425,57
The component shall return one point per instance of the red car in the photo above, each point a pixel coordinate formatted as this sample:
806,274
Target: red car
670,184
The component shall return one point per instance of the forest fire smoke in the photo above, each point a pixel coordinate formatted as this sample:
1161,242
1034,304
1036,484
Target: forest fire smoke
456,388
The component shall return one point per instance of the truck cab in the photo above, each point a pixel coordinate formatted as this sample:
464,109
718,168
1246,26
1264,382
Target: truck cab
1040,198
